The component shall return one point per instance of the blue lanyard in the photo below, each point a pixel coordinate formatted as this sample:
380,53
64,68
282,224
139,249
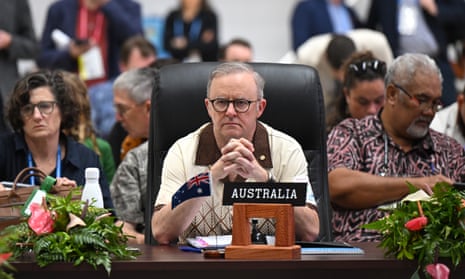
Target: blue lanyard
194,31
30,164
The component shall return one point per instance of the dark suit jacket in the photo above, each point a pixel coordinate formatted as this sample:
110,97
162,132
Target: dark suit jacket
383,16
16,19
310,18
123,21
13,159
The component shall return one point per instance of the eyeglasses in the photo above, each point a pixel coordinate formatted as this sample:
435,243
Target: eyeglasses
420,101
122,109
45,108
240,105
362,67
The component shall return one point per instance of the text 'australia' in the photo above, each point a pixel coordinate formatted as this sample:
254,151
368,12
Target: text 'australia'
264,193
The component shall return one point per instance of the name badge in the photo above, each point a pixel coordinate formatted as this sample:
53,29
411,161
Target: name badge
91,64
256,192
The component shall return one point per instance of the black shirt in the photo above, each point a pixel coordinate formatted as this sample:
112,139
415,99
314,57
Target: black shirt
13,159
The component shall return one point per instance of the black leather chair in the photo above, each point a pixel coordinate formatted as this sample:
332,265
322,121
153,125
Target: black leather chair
294,105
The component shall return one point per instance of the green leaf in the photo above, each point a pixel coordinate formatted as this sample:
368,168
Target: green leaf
412,188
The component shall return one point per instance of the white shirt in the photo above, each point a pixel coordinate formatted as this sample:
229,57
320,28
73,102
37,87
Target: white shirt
445,121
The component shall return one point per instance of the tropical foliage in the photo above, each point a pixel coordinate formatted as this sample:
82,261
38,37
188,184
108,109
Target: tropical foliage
429,229
79,234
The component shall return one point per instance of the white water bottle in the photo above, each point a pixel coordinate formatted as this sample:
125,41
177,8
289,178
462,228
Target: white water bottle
92,191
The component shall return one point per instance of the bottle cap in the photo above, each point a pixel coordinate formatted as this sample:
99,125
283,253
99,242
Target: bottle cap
92,173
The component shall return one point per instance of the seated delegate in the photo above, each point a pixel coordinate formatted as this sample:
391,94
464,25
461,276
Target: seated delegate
40,107
371,160
235,146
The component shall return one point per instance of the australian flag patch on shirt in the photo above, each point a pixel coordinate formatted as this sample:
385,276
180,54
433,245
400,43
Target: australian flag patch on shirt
197,186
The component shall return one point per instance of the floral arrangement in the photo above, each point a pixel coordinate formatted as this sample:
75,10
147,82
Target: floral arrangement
63,229
430,229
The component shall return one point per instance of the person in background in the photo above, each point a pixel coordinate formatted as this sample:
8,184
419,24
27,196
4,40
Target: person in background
136,52
84,36
237,49
133,90
222,151
191,32
370,160
132,93
413,26
338,50
314,17
328,52
451,120
363,89
39,108
17,41
129,192
84,132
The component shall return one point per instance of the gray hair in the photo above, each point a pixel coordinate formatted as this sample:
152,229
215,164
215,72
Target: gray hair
234,68
403,69
138,83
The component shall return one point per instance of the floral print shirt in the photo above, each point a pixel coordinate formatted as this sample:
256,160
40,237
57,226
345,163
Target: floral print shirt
361,144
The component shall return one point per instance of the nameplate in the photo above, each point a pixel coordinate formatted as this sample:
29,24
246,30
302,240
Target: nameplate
264,192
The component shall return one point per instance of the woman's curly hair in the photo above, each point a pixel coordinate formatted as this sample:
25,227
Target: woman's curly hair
60,90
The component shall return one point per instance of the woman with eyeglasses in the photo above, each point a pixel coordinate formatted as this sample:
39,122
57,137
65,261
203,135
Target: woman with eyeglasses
39,109
363,89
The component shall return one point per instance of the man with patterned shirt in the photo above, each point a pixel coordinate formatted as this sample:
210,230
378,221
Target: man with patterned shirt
235,146
129,192
370,160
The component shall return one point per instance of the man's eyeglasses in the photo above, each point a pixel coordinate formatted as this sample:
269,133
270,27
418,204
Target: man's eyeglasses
45,108
122,109
362,67
240,105
421,101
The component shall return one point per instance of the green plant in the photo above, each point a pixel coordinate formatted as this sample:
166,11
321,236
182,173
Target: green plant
4,266
81,233
426,229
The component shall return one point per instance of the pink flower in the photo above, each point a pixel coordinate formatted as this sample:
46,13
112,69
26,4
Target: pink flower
416,224
41,219
438,271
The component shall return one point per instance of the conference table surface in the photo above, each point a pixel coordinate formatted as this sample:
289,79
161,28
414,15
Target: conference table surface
170,262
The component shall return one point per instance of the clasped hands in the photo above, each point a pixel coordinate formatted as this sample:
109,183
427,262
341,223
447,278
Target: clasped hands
238,160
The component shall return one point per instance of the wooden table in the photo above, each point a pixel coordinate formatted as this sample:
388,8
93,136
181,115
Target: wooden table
160,262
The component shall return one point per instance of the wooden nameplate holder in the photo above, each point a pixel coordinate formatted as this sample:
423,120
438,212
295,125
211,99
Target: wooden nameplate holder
242,247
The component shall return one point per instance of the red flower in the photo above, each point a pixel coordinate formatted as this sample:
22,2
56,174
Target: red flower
4,257
438,271
416,224
41,220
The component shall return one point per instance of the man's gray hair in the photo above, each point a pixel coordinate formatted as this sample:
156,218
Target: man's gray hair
138,83
403,69
234,68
